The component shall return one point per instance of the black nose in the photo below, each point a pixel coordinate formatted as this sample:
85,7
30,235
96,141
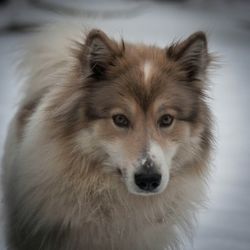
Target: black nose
147,181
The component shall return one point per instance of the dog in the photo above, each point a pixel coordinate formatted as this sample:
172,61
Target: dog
110,146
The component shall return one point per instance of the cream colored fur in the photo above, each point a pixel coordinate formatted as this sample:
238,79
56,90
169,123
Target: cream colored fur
102,214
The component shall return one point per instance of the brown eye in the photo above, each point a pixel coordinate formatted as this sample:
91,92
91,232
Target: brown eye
165,121
120,120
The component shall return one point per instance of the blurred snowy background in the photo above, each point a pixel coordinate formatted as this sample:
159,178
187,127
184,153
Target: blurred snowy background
225,225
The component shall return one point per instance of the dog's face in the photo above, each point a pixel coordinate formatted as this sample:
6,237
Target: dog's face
145,107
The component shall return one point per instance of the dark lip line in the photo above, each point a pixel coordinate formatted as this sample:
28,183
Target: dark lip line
119,171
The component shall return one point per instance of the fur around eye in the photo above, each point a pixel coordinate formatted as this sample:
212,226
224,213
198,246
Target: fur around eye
121,120
165,121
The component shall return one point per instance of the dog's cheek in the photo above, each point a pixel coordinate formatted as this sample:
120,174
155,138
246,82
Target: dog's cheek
189,146
116,157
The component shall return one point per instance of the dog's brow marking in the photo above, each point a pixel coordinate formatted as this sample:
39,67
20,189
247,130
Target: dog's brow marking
147,69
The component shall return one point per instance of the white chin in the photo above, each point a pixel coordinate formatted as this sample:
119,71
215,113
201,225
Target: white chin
137,191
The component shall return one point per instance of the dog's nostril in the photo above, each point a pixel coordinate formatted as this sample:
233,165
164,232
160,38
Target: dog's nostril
147,182
155,185
143,185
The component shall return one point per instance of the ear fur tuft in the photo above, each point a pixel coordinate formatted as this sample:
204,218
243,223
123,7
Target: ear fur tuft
192,54
102,51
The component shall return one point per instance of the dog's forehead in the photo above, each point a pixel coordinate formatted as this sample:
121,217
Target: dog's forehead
141,79
148,76
153,81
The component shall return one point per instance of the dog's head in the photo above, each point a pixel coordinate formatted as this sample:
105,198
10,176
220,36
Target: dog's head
144,108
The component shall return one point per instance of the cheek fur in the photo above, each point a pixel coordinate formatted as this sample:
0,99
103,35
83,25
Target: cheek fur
115,154
189,146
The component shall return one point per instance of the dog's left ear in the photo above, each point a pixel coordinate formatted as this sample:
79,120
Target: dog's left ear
101,53
192,54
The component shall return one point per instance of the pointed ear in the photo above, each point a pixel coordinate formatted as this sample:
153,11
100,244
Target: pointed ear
101,53
192,54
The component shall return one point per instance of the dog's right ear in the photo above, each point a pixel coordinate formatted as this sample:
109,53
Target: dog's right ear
101,53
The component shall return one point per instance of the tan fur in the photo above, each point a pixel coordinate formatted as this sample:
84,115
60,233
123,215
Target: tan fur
68,167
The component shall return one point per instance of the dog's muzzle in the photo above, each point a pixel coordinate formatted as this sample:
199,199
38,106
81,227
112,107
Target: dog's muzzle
148,179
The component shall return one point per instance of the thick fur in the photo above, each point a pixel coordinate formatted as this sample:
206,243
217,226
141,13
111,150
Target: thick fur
64,188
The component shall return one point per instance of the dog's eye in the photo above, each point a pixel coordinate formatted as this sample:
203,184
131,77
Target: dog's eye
120,120
165,121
